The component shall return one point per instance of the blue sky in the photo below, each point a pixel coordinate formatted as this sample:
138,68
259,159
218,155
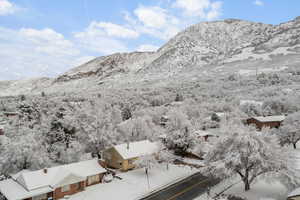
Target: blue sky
48,37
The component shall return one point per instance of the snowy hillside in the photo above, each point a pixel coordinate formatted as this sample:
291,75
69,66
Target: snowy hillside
207,49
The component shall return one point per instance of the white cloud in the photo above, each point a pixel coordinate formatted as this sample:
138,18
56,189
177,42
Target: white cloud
114,30
204,9
258,3
34,53
216,10
147,47
7,8
162,22
49,42
151,16
101,40
154,21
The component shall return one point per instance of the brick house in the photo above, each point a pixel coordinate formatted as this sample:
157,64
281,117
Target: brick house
266,121
10,114
122,156
204,135
52,183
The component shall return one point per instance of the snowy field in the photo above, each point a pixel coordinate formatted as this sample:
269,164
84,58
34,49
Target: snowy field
134,183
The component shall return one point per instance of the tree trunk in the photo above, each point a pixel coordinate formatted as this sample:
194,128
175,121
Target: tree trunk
295,145
247,185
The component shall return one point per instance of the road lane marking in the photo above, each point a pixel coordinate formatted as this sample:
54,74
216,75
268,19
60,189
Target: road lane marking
171,186
187,189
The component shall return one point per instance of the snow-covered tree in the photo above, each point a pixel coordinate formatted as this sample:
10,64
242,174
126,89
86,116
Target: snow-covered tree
180,136
165,156
96,122
147,162
180,140
177,120
139,128
289,132
71,154
25,153
246,153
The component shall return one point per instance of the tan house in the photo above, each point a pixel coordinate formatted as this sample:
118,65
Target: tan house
266,121
52,183
294,195
122,156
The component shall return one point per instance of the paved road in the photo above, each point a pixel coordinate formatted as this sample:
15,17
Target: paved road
187,189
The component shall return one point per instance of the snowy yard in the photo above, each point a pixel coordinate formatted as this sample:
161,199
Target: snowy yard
134,184
261,190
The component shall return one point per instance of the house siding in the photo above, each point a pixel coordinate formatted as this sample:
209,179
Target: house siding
100,180
58,194
128,164
114,159
50,194
260,125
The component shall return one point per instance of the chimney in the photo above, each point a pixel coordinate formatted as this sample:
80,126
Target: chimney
45,170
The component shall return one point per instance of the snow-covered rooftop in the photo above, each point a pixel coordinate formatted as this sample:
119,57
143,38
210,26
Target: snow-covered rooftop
12,190
220,114
294,193
32,181
202,133
136,149
274,118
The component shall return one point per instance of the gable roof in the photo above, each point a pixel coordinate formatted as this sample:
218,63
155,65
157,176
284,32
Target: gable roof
57,176
136,149
275,118
66,177
12,190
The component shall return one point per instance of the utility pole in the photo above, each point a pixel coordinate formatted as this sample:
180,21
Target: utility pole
147,178
256,71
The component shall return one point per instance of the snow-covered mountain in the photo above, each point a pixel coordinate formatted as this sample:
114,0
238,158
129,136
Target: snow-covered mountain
209,48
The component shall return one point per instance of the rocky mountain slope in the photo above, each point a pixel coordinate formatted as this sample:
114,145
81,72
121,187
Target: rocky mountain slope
232,46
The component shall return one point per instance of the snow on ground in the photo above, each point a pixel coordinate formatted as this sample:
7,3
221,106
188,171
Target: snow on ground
134,183
261,190
249,72
194,161
247,53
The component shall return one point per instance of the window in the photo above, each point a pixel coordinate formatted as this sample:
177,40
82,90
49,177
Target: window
77,186
65,188
40,197
93,179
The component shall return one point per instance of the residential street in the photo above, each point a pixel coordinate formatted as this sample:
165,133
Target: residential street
187,189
